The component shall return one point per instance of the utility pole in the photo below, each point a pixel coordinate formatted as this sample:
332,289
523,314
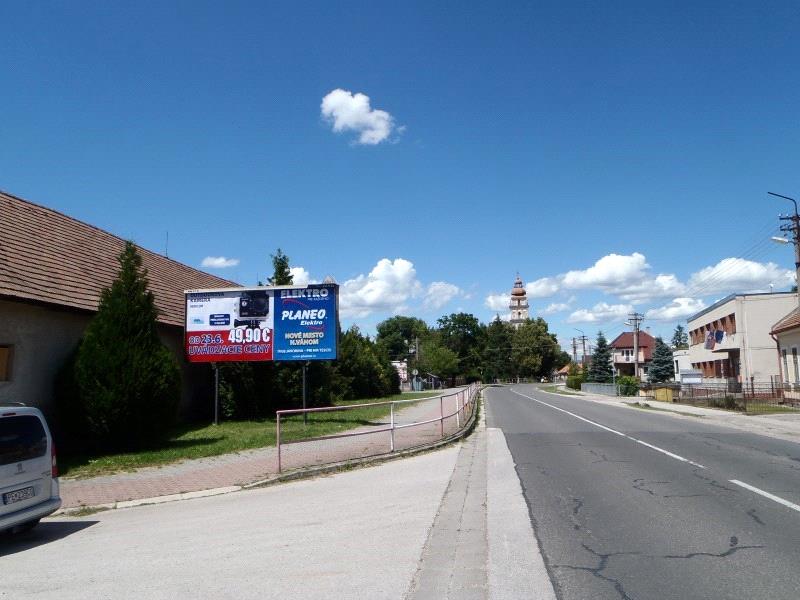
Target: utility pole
635,319
792,226
583,339
574,351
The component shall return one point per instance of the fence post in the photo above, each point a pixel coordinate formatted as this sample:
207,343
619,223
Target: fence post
278,440
391,431
441,415
458,410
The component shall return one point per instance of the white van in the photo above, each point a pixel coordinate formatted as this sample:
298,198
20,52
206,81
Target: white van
28,473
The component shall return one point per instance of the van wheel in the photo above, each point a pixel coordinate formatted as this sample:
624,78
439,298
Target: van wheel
26,526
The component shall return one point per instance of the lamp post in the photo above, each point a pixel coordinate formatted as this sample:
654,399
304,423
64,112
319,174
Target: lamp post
793,227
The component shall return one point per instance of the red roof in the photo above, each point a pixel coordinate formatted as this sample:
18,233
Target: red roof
790,321
46,256
647,343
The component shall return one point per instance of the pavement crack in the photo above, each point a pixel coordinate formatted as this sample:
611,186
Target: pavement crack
733,548
713,482
752,514
640,483
598,570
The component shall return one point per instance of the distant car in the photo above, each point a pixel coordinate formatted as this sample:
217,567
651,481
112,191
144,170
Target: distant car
28,473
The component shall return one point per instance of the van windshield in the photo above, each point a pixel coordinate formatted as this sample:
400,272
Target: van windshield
22,437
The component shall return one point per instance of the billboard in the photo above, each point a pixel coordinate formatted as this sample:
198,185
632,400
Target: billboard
282,323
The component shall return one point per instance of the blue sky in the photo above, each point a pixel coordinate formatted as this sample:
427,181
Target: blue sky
617,155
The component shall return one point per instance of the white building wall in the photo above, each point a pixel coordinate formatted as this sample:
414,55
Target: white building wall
755,315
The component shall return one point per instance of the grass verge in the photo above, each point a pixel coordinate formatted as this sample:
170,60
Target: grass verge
555,389
201,441
646,406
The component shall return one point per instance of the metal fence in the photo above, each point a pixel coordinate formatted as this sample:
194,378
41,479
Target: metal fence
750,397
386,428
602,389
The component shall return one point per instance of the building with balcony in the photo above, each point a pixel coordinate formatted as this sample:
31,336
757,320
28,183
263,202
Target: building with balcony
622,355
730,341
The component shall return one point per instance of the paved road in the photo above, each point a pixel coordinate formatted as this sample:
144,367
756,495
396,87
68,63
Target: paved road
638,505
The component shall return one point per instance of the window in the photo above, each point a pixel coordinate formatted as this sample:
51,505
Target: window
22,438
5,363
794,362
785,366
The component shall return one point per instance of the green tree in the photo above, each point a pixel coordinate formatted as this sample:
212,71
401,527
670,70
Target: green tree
601,370
680,340
464,334
496,361
128,383
281,275
661,368
535,350
438,360
397,334
360,372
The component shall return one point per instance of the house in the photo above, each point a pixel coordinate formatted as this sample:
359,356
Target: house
786,333
730,340
53,269
622,354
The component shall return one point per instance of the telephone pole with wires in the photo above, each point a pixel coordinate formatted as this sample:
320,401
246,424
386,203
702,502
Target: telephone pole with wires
792,226
635,320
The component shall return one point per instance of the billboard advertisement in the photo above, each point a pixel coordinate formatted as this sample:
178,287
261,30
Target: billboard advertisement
284,323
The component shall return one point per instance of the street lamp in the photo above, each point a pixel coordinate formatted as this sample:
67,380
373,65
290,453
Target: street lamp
794,228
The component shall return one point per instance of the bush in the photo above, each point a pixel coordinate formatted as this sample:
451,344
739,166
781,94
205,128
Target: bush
574,381
628,385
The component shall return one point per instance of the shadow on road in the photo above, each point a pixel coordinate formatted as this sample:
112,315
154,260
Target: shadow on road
43,533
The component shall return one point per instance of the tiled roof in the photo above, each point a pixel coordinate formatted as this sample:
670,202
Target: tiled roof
646,342
46,256
790,321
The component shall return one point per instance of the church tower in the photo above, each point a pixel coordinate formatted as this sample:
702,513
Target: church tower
519,304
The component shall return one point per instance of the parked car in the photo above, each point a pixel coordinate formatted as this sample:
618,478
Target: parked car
28,473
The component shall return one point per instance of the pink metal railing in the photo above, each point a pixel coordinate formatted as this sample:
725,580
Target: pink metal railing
463,401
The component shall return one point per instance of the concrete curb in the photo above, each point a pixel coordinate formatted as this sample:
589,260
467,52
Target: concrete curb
304,473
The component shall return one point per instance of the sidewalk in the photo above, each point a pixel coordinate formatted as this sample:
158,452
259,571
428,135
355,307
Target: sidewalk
785,426
231,471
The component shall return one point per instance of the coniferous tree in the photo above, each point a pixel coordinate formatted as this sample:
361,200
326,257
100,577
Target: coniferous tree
661,369
282,274
601,370
680,340
128,383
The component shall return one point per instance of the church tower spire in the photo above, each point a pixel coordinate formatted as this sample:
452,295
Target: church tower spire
518,304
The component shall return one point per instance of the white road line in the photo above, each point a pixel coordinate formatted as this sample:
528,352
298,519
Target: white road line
773,497
614,431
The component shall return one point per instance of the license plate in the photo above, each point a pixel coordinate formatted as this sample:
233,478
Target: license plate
18,495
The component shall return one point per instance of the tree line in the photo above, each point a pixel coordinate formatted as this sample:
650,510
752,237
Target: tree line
121,387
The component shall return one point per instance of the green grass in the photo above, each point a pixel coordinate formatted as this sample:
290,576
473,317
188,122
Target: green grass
757,408
554,389
199,441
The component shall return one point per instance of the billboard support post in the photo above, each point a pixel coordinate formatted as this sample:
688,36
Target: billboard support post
305,393
216,392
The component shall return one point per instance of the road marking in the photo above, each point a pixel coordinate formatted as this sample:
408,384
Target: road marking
614,431
773,497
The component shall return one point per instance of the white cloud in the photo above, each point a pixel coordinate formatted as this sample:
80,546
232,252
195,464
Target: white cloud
352,112
219,262
301,277
388,287
679,308
440,293
611,271
555,307
497,301
542,288
739,275
662,286
601,313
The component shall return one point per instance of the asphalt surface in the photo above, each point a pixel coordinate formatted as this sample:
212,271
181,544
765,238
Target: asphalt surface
635,504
